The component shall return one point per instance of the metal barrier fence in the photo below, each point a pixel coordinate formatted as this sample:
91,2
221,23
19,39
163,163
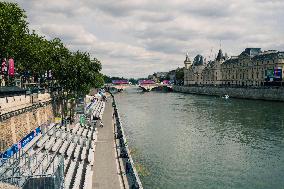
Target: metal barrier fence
48,181
27,179
130,168
27,171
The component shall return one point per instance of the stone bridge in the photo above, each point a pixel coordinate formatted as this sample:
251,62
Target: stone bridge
160,87
119,88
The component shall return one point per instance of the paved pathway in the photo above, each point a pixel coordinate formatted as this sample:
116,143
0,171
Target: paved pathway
105,166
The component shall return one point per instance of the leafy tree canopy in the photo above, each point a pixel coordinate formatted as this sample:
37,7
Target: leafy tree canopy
76,72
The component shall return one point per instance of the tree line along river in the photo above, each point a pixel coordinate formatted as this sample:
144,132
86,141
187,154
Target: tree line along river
195,141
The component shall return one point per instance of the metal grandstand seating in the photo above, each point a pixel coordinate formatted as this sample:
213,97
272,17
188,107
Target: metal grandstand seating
63,147
84,133
43,140
49,143
88,178
83,153
75,129
91,157
70,149
69,175
77,151
78,176
56,145
76,145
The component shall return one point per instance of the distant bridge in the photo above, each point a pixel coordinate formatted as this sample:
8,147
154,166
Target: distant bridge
155,86
119,85
117,88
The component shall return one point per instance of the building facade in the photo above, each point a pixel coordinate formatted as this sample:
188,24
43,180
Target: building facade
252,67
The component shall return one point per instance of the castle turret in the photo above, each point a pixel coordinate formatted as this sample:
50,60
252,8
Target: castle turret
220,55
187,62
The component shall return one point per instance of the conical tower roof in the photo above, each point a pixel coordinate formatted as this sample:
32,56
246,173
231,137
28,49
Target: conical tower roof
220,55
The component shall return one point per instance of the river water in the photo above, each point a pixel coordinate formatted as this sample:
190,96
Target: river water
202,142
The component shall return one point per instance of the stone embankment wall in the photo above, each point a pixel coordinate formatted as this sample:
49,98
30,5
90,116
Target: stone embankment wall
276,94
23,121
15,128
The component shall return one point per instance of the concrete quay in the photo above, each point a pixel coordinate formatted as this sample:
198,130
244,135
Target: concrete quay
106,171
76,156
113,167
274,94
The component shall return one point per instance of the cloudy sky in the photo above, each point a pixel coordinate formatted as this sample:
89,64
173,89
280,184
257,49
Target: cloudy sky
134,38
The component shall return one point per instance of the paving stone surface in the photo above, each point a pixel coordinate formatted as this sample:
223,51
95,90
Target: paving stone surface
106,175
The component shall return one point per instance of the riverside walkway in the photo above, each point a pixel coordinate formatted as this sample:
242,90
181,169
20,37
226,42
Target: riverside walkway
106,172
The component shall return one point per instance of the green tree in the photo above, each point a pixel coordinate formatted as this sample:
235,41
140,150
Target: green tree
107,79
133,81
13,29
75,72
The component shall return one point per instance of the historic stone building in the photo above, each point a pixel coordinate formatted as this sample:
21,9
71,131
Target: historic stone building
212,74
193,71
251,68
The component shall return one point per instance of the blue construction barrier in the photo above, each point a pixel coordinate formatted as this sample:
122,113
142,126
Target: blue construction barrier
22,143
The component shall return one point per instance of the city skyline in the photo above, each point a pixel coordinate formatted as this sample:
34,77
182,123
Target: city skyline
137,38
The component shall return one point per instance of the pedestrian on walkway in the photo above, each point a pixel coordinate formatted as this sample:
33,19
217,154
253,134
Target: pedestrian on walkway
104,98
101,123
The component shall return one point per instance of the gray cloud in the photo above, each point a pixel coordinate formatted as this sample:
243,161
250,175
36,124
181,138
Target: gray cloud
134,38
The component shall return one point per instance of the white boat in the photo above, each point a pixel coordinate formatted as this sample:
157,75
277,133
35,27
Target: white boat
226,96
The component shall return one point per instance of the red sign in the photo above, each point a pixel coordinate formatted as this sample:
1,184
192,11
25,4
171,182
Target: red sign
11,67
4,67
120,82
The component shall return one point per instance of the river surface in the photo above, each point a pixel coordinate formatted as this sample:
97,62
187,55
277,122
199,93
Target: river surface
202,142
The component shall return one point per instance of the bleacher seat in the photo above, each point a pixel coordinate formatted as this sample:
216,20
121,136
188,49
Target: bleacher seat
70,149
63,147
88,178
64,143
49,143
42,141
78,176
91,157
83,154
77,151
69,174
57,144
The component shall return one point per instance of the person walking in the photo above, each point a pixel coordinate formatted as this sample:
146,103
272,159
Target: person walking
101,123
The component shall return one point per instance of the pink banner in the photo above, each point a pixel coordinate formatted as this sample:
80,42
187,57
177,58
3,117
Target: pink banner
11,67
3,68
